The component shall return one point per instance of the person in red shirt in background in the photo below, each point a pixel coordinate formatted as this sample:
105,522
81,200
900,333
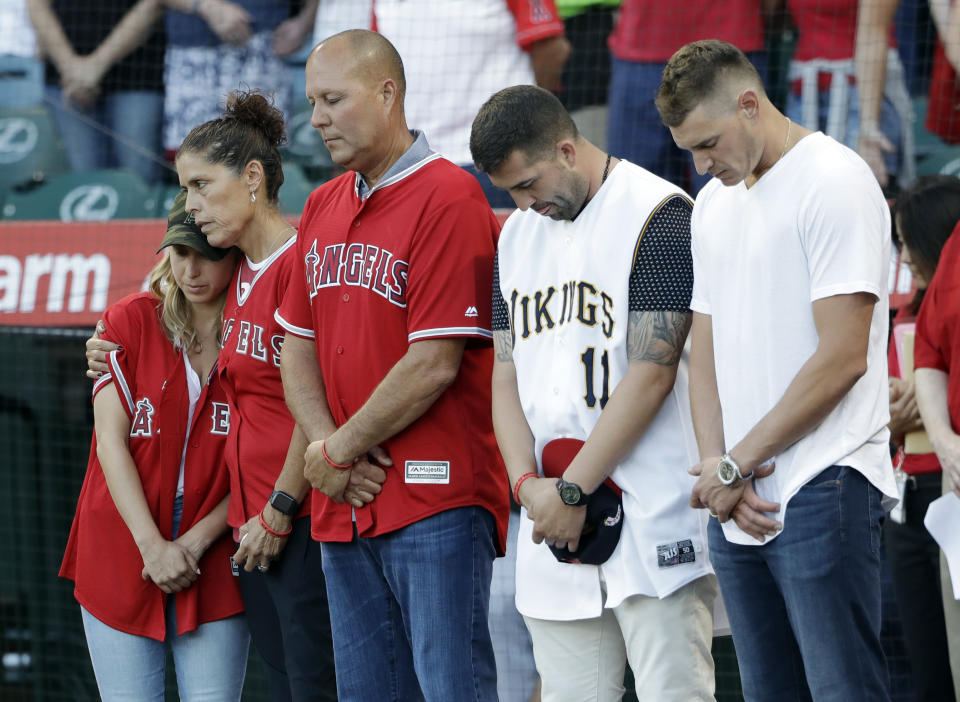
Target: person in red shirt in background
646,35
149,550
924,216
936,356
847,81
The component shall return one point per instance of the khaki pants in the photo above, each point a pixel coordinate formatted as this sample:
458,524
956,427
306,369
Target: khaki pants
667,642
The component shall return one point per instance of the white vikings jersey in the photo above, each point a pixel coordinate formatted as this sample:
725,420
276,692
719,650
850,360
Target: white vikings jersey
565,290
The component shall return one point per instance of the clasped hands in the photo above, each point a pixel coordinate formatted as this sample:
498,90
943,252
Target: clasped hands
171,565
553,521
357,485
738,501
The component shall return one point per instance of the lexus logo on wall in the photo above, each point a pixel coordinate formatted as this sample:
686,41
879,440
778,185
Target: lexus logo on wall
95,202
18,137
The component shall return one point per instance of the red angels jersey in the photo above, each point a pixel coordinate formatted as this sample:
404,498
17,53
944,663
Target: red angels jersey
101,557
249,367
412,261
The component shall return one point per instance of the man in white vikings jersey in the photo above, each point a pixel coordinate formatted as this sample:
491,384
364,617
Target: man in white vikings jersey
591,302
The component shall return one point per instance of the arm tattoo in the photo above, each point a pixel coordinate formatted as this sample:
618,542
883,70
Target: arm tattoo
657,336
503,344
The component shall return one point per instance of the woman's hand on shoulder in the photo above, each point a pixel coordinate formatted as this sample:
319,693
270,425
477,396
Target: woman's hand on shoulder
97,350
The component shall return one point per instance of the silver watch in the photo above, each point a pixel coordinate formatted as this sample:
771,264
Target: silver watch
728,471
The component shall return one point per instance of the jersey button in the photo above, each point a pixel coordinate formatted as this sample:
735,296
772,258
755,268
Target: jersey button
556,391
346,297
340,350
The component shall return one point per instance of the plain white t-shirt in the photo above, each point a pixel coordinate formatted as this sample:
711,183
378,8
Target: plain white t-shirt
815,225
193,392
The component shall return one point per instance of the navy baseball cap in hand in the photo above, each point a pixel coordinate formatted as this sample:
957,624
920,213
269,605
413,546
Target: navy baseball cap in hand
604,520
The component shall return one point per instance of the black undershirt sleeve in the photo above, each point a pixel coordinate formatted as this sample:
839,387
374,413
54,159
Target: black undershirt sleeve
662,274
501,317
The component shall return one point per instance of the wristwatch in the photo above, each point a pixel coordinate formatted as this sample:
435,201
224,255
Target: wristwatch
728,471
571,494
284,503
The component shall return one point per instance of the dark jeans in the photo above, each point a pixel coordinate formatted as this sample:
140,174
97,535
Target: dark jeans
290,621
914,559
410,611
804,608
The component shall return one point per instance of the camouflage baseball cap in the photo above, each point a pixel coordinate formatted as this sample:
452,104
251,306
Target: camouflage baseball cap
182,229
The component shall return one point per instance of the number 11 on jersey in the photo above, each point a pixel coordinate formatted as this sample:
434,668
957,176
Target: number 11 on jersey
587,358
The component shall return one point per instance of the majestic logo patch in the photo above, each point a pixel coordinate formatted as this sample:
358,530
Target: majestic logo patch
142,424
675,554
471,312
427,472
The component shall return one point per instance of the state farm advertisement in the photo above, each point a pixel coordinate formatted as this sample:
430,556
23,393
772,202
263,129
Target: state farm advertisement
66,274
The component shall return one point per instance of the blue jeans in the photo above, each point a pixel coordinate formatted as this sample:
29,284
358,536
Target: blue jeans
210,661
634,129
409,611
120,130
804,609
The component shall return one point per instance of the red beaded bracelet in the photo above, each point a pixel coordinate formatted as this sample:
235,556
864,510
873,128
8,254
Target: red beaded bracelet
516,486
273,532
341,466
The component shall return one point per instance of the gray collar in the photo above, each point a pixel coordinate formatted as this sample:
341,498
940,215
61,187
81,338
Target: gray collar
418,151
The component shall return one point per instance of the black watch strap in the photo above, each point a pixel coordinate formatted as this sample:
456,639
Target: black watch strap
284,503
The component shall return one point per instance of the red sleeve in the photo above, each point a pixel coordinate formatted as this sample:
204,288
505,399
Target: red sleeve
294,313
451,272
123,323
927,345
939,314
536,19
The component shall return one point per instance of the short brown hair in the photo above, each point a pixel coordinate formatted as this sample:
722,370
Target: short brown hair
694,73
522,117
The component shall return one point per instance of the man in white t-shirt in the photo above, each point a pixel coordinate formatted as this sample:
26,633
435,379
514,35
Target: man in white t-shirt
788,366
590,314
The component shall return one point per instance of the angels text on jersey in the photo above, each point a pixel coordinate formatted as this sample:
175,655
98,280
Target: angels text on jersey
252,340
357,265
